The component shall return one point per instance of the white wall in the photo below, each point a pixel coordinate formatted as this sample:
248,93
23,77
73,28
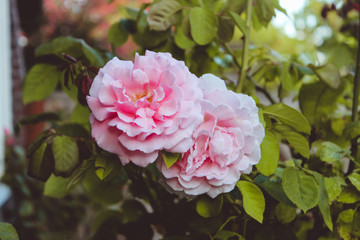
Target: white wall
5,76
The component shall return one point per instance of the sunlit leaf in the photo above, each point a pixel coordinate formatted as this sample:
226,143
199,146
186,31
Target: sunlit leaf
349,195
330,152
181,40
204,25
318,101
239,22
104,166
56,187
253,200
289,116
333,187
329,74
301,189
270,153
323,203
355,180
170,158
297,141
345,224
8,232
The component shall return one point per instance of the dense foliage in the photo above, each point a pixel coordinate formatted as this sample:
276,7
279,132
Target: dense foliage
307,184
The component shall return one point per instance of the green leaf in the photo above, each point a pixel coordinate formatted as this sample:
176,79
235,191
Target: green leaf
297,141
170,158
104,166
264,11
8,232
145,37
333,187
323,203
352,130
225,30
77,48
285,213
66,155
345,224
301,189
330,152
329,74
80,171
289,116
80,115
225,235
253,200
270,153
239,23
355,180
273,188
318,101
41,162
288,76
181,40
56,187
100,191
349,195
40,82
208,207
203,24
356,222
117,35
162,14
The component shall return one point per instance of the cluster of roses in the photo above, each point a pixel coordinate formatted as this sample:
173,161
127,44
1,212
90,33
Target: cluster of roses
155,103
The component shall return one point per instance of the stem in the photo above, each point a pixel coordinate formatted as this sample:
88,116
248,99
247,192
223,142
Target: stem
267,95
233,204
228,50
354,114
245,226
245,53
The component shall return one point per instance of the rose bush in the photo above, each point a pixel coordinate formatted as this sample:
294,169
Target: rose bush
142,107
226,144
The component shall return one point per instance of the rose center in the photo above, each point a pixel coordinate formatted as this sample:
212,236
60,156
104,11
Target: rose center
140,95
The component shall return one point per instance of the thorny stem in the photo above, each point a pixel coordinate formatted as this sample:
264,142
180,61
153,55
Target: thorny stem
245,53
354,114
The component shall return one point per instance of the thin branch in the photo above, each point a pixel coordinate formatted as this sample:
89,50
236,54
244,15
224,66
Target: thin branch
229,51
354,113
245,53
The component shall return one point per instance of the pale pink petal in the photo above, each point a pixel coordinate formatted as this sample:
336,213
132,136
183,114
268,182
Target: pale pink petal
99,110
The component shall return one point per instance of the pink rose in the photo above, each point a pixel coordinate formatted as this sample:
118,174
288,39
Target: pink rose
226,144
141,108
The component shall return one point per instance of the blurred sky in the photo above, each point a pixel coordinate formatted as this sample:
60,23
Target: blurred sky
292,7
